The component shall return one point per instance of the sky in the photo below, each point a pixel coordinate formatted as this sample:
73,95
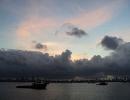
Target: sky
64,38
24,23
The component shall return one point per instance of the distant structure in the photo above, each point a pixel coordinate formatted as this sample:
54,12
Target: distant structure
108,77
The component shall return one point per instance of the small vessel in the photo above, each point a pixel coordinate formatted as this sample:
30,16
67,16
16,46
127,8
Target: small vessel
35,85
102,83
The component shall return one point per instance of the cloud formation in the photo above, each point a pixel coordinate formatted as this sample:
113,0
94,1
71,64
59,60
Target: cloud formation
19,63
76,32
71,30
34,25
40,46
29,63
110,42
97,17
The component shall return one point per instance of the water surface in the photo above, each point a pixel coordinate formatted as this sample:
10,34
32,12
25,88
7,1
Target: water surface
67,91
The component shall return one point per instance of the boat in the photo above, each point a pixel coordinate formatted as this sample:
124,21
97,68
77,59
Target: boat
102,83
35,85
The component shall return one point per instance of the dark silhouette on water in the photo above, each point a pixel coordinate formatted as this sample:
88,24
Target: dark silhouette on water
102,83
35,85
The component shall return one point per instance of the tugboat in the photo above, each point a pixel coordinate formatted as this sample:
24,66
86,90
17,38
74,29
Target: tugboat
102,83
35,85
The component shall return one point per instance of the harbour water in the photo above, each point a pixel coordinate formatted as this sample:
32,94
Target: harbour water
67,91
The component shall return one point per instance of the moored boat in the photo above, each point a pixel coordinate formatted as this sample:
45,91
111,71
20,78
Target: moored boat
102,83
35,85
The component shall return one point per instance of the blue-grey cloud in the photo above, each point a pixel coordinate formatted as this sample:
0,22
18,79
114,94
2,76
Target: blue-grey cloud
110,42
40,46
29,63
71,30
76,32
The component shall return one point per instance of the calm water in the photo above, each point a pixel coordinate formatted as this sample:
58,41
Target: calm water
75,91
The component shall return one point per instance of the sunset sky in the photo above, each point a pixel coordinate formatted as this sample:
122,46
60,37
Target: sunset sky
47,25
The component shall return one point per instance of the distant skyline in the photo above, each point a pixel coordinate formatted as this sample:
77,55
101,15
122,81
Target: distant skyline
26,23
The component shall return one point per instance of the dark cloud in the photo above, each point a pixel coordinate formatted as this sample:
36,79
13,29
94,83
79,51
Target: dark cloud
110,42
40,46
71,30
117,63
76,32
30,63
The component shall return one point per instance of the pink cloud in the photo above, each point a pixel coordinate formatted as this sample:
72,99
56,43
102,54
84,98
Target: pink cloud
97,16
34,25
92,19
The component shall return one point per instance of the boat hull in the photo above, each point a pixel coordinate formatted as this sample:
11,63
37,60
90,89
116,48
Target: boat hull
34,86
